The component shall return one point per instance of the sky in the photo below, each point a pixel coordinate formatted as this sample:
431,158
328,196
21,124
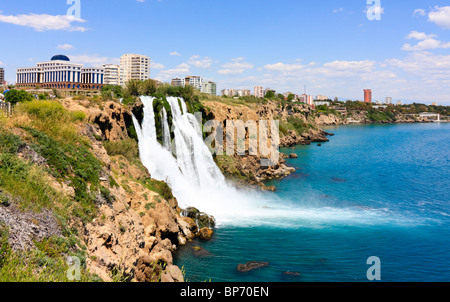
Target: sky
397,48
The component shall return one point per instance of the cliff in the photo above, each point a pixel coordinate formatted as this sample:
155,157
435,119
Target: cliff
296,126
72,184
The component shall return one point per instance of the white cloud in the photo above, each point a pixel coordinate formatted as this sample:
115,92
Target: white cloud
157,65
199,62
358,66
282,67
419,11
338,10
44,22
168,74
426,42
93,60
64,46
183,66
419,35
175,53
237,66
440,16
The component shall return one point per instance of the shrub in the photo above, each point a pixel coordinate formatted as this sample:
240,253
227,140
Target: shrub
127,148
18,96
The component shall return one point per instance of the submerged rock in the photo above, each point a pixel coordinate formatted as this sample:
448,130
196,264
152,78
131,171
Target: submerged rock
252,265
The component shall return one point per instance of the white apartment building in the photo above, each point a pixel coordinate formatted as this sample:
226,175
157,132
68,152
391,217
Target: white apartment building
259,91
111,74
322,97
209,88
194,81
134,67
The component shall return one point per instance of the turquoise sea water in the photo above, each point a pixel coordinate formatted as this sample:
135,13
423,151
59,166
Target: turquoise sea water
373,190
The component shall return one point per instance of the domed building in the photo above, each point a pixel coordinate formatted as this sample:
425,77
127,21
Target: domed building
60,73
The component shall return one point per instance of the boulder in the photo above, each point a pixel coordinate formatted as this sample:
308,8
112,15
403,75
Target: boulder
293,155
205,234
200,218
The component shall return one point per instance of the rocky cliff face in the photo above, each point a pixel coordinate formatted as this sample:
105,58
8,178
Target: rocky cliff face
247,168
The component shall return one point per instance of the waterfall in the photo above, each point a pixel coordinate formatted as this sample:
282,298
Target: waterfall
187,166
165,130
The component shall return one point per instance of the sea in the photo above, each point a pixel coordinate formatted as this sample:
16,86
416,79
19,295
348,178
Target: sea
373,202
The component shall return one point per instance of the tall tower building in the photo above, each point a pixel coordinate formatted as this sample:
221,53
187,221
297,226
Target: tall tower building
368,96
134,67
2,76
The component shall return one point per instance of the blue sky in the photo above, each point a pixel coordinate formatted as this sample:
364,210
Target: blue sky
330,46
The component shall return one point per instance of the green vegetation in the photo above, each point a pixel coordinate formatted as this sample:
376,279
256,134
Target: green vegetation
294,123
127,148
18,96
46,263
159,187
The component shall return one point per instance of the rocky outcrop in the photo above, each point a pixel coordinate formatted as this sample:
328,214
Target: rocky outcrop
112,120
312,136
327,120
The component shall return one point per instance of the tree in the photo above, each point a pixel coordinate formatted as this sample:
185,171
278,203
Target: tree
270,95
18,96
112,91
290,97
148,87
132,87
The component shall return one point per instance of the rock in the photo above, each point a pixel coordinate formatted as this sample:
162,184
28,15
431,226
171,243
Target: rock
172,273
111,120
251,266
165,220
147,270
293,274
187,226
26,228
293,155
200,252
205,234
202,219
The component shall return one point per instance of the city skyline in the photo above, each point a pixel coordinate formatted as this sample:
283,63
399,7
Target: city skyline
251,46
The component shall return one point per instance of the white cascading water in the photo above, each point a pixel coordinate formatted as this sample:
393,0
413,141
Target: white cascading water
165,130
188,167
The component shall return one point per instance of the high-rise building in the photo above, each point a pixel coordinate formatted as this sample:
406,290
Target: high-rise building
134,67
367,95
246,92
2,76
60,73
194,81
111,74
388,100
259,91
209,88
177,82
